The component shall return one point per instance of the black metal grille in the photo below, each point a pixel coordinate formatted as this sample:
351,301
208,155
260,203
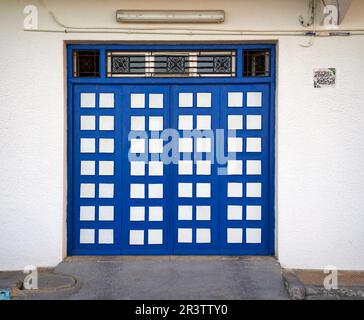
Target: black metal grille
256,63
86,63
174,64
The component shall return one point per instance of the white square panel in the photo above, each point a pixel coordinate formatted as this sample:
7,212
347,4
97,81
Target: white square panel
203,190
155,236
137,214
137,145
156,100
155,168
106,168
203,144
235,99
203,167
235,167
203,213
155,191
87,145
87,236
155,213
155,145
185,167
254,122
203,123
137,100
235,190
254,99
137,191
204,100
184,235
155,123
106,123
87,190
106,190
253,213
106,100
136,237
106,213
87,168
253,235
185,190
235,122
106,236
253,144
185,144
87,213
137,123
185,122
203,235
106,145
137,168
88,100
184,212
253,167
235,212
185,100
88,123
234,235
235,144
253,190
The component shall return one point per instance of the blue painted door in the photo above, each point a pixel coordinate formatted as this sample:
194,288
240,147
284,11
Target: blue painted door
171,169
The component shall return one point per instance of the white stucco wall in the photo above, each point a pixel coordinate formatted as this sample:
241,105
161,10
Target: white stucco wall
319,178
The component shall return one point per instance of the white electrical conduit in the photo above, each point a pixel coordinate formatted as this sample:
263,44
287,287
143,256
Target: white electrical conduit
192,31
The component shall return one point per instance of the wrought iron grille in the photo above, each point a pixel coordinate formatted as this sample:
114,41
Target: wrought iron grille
256,63
86,63
171,64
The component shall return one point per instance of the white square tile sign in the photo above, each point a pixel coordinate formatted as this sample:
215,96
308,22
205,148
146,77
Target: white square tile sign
324,78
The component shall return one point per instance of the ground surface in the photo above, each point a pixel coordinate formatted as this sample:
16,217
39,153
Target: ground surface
168,278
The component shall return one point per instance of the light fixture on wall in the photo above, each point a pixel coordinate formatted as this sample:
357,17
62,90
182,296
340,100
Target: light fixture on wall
169,16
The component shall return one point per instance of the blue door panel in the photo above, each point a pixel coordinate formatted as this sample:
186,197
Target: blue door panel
205,186
196,216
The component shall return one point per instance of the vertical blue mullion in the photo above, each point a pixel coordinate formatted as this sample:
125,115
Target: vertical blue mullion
103,63
171,202
239,63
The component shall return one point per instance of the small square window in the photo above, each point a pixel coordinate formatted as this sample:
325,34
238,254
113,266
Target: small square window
185,167
155,236
184,212
106,190
87,213
203,235
137,213
106,213
136,237
184,235
155,213
106,145
106,236
86,63
256,63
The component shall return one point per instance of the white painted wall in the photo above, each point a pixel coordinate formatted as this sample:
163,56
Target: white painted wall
320,176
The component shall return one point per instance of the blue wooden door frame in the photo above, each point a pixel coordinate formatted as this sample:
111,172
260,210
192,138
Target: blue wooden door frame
72,82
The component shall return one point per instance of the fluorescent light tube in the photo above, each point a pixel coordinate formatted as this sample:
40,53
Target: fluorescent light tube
167,16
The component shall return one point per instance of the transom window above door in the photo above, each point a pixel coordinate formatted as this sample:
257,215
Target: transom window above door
171,64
